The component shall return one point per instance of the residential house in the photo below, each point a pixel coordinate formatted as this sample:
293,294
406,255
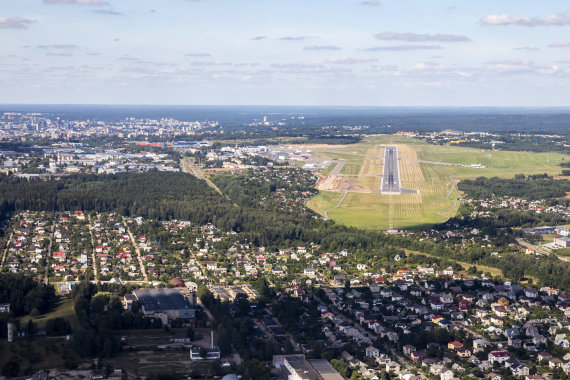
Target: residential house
372,352
446,375
498,356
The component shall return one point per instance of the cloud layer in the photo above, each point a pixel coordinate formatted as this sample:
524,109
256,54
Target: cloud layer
416,37
560,44
96,3
558,19
14,23
404,48
321,47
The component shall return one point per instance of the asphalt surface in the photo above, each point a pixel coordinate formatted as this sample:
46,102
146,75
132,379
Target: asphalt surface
391,174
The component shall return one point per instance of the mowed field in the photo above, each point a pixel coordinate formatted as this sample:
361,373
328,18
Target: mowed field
436,201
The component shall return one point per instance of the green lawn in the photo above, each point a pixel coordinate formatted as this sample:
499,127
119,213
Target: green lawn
351,169
326,171
63,309
504,164
324,201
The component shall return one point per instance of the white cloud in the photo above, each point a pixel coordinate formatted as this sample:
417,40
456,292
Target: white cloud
198,55
527,48
559,44
294,38
415,37
434,84
96,3
14,23
58,46
371,3
505,19
307,68
550,70
350,60
59,54
379,68
107,12
321,47
404,48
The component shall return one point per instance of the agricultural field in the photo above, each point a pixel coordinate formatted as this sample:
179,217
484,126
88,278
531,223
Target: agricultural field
429,169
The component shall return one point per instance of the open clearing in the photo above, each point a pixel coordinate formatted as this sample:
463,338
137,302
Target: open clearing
437,197
63,309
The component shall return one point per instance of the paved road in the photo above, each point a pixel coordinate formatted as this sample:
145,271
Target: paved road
454,183
93,255
49,250
188,166
337,205
538,249
8,242
391,174
137,249
329,182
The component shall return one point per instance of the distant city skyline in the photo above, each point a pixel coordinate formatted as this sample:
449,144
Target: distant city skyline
294,52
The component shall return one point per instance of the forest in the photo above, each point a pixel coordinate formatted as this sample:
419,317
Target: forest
528,187
155,195
522,143
25,295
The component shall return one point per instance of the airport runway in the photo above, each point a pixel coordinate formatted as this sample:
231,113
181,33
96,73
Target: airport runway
391,174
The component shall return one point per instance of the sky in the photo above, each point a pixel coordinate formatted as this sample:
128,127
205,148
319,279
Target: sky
286,52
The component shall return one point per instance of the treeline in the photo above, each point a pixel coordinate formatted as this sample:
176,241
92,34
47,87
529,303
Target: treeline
273,226
98,315
504,218
25,295
162,195
549,270
237,330
157,195
525,143
530,188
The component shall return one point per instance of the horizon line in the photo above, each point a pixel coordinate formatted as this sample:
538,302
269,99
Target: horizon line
273,105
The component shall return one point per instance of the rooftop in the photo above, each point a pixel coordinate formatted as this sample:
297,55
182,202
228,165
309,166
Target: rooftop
162,299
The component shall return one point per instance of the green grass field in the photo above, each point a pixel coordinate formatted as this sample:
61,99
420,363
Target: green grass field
64,309
326,171
324,201
374,210
504,164
435,203
351,169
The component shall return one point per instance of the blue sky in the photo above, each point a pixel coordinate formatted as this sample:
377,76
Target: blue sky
286,52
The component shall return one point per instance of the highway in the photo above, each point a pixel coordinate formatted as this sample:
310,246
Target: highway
391,173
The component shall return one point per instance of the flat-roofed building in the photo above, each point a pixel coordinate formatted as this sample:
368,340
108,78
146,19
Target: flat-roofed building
562,241
296,367
165,304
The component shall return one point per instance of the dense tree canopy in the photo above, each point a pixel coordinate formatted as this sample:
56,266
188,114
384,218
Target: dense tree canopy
529,188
